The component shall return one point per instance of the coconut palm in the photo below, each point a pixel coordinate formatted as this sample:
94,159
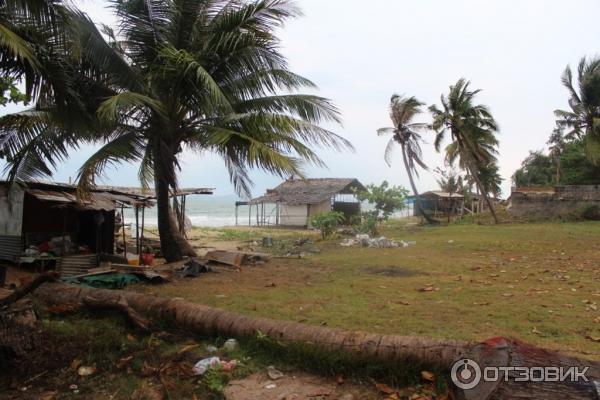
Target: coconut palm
556,146
583,120
184,75
405,133
472,130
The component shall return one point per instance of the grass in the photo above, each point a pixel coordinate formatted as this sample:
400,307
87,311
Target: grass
103,340
537,282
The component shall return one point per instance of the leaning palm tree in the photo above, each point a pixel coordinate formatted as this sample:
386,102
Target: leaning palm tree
405,133
182,75
583,120
472,130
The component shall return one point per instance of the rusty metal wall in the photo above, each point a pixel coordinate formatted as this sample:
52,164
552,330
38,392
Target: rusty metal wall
10,247
11,210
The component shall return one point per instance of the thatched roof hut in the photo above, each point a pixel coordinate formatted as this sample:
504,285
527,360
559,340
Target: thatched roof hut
295,201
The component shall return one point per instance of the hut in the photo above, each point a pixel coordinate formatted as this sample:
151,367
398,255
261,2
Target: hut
294,202
438,203
48,225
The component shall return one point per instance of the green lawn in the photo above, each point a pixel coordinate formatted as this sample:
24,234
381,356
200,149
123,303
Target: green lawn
536,282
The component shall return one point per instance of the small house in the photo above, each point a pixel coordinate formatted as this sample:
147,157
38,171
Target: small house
294,202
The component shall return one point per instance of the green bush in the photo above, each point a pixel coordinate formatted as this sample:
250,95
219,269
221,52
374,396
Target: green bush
366,223
385,199
591,213
326,222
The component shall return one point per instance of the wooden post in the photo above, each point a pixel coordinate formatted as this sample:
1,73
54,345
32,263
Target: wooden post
142,234
236,213
137,229
123,226
277,213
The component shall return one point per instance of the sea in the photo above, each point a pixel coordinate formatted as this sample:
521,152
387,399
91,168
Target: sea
216,212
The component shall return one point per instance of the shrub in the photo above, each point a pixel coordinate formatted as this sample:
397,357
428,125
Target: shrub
385,199
366,223
326,222
591,213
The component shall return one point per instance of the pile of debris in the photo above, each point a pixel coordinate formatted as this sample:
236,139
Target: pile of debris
382,242
237,259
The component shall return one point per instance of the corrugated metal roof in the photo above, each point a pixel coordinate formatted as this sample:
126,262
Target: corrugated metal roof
440,193
95,201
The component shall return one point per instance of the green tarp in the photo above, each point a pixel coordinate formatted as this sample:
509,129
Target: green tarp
105,281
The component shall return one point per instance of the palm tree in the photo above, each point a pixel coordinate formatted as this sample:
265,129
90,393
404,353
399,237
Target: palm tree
472,130
182,75
557,146
404,132
583,119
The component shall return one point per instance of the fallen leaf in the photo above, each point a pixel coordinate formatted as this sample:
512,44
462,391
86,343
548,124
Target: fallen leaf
86,371
536,331
593,338
124,362
76,363
428,376
383,388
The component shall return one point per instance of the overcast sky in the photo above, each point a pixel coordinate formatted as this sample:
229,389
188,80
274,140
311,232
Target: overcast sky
360,53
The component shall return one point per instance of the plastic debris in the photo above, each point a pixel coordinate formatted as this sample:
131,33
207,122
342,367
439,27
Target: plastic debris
205,364
380,242
211,349
273,373
231,344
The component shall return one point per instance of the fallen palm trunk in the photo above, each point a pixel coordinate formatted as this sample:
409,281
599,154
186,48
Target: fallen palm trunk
206,320
388,348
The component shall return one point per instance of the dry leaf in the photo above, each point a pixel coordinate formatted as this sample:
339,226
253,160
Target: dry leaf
124,362
536,331
76,363
86,371
383,388
593,338
428,376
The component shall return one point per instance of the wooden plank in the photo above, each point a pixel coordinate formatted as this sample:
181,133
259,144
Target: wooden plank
233,258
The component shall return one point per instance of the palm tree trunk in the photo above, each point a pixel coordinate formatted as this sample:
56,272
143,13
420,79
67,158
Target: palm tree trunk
173,246
414,189
485,195
412,350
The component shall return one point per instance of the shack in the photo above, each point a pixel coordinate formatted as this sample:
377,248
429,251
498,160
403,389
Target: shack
46,224
294,202
438,203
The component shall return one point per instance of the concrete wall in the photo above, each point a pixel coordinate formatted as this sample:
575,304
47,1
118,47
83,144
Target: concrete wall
563,202
11,210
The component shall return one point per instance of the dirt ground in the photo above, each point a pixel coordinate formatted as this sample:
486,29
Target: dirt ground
297,386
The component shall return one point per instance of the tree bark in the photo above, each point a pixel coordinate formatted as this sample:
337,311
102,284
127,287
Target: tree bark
414,189
485,195
28,288
205,320
173,246
428,352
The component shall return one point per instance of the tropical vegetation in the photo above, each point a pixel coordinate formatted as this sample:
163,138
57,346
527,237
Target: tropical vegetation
405,133
583,119
176,76
472,130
